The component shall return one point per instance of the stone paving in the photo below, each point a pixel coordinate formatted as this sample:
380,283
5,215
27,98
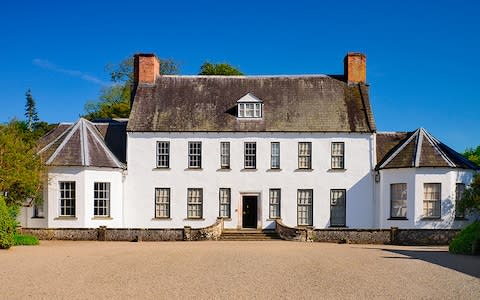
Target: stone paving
235,270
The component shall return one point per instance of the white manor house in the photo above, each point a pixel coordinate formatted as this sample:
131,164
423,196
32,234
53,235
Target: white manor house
248,149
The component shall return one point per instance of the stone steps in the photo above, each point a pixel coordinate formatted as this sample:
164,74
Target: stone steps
249,235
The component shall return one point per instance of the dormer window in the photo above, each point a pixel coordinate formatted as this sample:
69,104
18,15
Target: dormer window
250,106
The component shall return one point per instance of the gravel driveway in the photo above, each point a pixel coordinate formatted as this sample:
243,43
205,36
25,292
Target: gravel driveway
229,270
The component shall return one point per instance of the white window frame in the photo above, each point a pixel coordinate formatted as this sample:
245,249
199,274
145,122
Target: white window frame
338,155
250,155
162,203
250,110
275,200
194,203
101,199
398,200
432,200
225,155
305,207
224,202
194,155
163,154
305,155
338,207
67,197
275,155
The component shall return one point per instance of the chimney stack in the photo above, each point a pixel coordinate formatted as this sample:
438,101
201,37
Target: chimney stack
355,65
146,68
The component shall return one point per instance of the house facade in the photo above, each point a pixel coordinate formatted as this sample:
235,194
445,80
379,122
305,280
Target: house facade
249,149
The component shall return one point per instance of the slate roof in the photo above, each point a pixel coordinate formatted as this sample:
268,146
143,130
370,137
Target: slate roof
310,103
85,144
417,149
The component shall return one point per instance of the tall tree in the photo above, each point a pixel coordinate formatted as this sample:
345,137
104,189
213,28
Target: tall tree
218,69
473,154
114,101
30,110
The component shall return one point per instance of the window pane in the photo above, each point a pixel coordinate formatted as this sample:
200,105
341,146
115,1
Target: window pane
67,198
304,155
338,155
275,155
162,203
305,207
163,154
194,203
274,203
101,199
250,155
398,200
337,208
431,200
224,199
194,154
225,155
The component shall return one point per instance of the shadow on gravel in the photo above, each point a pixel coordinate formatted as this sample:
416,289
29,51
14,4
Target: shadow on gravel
466,264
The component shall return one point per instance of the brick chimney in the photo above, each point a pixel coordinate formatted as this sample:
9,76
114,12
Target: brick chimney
355,65
146,68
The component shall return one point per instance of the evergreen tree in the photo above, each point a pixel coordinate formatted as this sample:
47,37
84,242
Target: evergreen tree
30,111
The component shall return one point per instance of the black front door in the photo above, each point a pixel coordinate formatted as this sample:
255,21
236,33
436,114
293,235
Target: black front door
249,219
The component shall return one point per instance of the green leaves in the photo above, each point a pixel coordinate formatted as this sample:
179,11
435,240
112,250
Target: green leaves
473,154
218,69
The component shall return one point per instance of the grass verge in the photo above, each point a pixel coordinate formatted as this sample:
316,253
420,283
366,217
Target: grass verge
25,240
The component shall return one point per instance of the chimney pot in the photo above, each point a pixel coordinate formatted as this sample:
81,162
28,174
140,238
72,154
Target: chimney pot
146,68
355,67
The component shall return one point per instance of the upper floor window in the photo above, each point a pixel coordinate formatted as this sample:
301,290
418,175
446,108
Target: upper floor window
163,154
304,155
275,155
194,154
225,155
431,200
338,155
250,155
250,106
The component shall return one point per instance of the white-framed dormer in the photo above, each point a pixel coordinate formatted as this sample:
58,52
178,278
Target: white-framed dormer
249,107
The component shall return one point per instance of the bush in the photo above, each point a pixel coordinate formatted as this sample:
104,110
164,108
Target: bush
8,224
23,239
467,241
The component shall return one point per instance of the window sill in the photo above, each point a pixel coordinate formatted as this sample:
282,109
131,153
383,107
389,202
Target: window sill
102,218
397,219
65,218
38,217
337,170
431,219
194,219
161,219
193,169
303,170
224,170
161,169
249,170
274,170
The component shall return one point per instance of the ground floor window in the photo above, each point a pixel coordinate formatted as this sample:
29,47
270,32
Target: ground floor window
459,189
431,200
38,211
162,203
67,198
305,207
194,203
274,204
398,200
338,208
101,199
224,202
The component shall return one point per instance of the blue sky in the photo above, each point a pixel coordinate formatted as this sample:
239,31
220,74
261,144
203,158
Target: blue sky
422,62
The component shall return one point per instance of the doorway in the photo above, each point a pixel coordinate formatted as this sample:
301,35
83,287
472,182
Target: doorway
249,213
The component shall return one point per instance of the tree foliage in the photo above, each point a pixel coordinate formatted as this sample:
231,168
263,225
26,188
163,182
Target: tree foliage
8,225
21,170
114,101
471,197
218,69
473,154
30,110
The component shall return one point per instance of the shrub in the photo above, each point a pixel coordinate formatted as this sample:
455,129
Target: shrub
467,241
8,224
23,239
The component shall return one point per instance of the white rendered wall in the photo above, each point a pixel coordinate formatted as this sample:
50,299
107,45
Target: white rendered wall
84,184
415,179
143,177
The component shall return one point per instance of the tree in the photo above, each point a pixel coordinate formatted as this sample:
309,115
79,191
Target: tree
471,197
30,110
114,101
218,69
21,170
473,154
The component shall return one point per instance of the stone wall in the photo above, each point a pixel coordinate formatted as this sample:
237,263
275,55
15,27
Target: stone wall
423,236
351,236
212,232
